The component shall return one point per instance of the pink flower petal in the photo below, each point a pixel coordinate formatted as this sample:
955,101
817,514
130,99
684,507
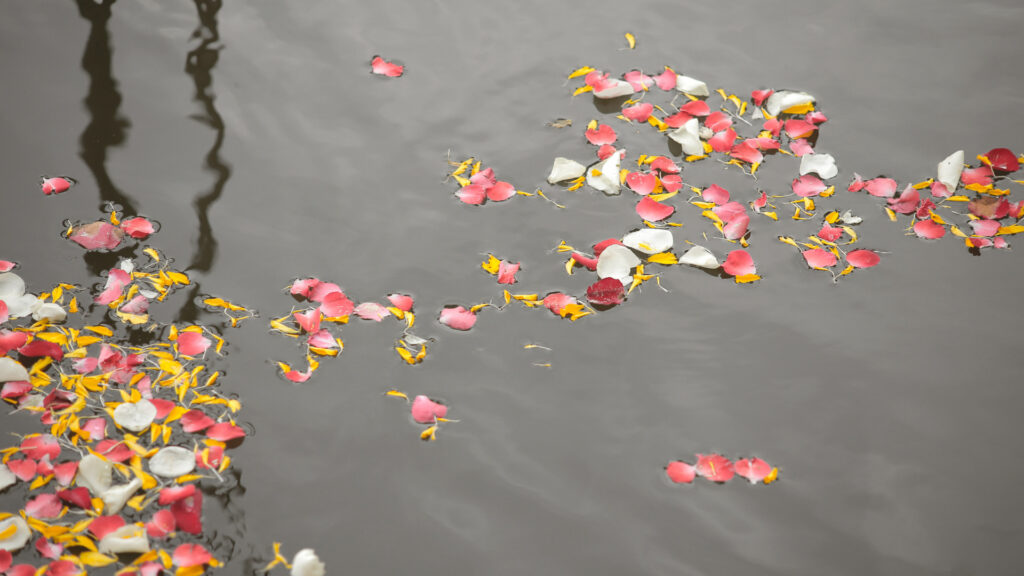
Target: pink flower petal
214,455
426,411
501,191
77,496
638,112
924,209
457,318
188,513
600,246
10,340
929,229
485,178
981,175
322,339
39,348
40,446
715,194
507,272
816,117
907,202
117,279
225,432
308,320
680,472
303,286
64,568
173,494
830,233
298,377
161,525
97,235
796,128
195,420
678,119
336,305
718,121
863,258
44,506
666,80
138,228
739,263
773,125
729,211
808,185
665,165
671,182
65,472
881,187
819,258
737,227
985,227
642,183
137,305
557,301
23,469
723,141
84,365
16,389
372,311
49,550
979,242
939,190
606,292
800,147
188,555
384,68
4,314
401,301
473,194
588,263
603,134
192,343
103,525
605,151
753,469
56,184
638,80
761,202
114,450
696,108
759,96
653,211
715,467
746,152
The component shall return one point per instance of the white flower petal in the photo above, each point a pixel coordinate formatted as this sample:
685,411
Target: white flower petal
700,257
849,218
649,240
94,473
621,88
784,100
617,262
11,370
116,497
135,416
19,538
691,86
172,461
128,539
306,563
50,312
565,169
688,136
822,164
22,305
604,176
7,478
11,286
950,169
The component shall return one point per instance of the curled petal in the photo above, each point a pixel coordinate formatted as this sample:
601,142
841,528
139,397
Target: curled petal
739,263
384,68
929,229
426,411
457,318
820,258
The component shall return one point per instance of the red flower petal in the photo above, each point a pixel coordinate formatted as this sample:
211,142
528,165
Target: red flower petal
604,152
718,121
161,524
6,559
796,128
830,233
501,191
981,175
739,263
819,258
195,420
1003,159
173,494
603,134
401,301
103,525
44,506
715,194
192,343
588,263
78,496
426,411
384,68
680,472
11,340
676,120
457,318
929,229
507,272
753,469
696,108
96,235
715,467
225,432
188,555
56,184
138,228
600,246
473,194
653,211
606,292
759,96
48,549
808,185
862,258
17,389
39,446
188,513
23,469
723,141
642,183
39,348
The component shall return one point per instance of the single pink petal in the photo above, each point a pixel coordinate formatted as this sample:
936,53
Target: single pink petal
485,178
715,467
336,305
652,210
598,80
737,227
49,550
372,311
501,191
44,506
638,112
173,494
507,272
924,209
666,80
665,165
96,427
939,190
103,525
557,301
929,229
64,568
97,235
214,457
696,108
1000,243
188,513
759,96
773,125
225,432
23,469
981,175
308,320
457,318
65,472
857,184
638,80
56,184
761,202
881,187
401,301
426,411
117,279
816,117
830,233
137,305
605,151
739,263
603,134
715,194
671,182
473,194
114,450
298,377
729,211
680,472
138,227
188,555
985,227
84,365
40,446
195,420
746,152
764,143
819,258
4,315
77,496
10,340
723,141
753,469
303,286
600,246
643,183
20,569
384,68
192,343
678,119
322,339
800,147
796,128
606,292
718,121
979,242
863,258
808,185
588,263
907,202
161,525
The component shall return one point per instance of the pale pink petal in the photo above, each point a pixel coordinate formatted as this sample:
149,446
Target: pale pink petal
188,555
384,68
639,112
800,147
97,235
729,211
24,469
96,427
161,525
192,343
819,258
138,228
336,304
671,182
308,320
605,151
195,420
10,340
473,194
761,202
372,311
907,202
718,121
863,258
715,467
44,506
985,227
40,446
457,318
48,550
557,301
857,184
84,365
117,279
401,301
939,190
981,175
723,141
739,263
881,187
1000,243
796,128
929,229
736,228
643,183
426,411
653,211
65,472
507,272
808,185
603,134
638,80
680,472
485,178
816,117
773,125
753,469
321,290
322,339
666,80
715,194
501,191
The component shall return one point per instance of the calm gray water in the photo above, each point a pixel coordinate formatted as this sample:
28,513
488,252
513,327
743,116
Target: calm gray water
254,134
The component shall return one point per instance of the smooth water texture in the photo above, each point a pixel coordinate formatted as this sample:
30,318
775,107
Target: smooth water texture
254,133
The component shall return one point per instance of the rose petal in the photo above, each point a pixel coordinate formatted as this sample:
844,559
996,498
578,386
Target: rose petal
739,263
808,185
603,134
820,258
426,411
225,432
680,472
372,311
192,343
715,467
652,210
457,318
384,68
97,235
862,258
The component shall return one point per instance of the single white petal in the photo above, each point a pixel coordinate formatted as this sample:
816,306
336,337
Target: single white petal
849,218
606,177
11,370
306,563
822,164
616,262
115,498
126,265
688,136
94,473
7,478
691,86
649,240
50,312
22,305
700,257
135,416
128,539
19,538
565,169
11,286
621,88
950,169
784,100
172,461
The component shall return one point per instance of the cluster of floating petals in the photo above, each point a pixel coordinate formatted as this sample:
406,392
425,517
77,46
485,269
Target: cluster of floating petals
719,469
481,185
109,234
133,431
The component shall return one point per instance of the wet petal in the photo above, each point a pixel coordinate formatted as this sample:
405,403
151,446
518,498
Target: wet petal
457,318
949,171
603,134
680,472
372,311
138,228
653,211
606,292
715,467
863,258
739,263
97,235
819,258
823,165
929,229
808,185
700,257
753,469
384,68
426,411
565,169
617,262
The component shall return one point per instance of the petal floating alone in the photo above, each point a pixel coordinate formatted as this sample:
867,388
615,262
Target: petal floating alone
819,258
680,472
426,411
863,258
56,184
384,68
457,318
138,227
652,210
739,263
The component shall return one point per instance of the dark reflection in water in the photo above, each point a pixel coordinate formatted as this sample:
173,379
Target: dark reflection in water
106,128
198,65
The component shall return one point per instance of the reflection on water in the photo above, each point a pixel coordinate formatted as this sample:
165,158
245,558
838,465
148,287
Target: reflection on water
198,65
106,128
